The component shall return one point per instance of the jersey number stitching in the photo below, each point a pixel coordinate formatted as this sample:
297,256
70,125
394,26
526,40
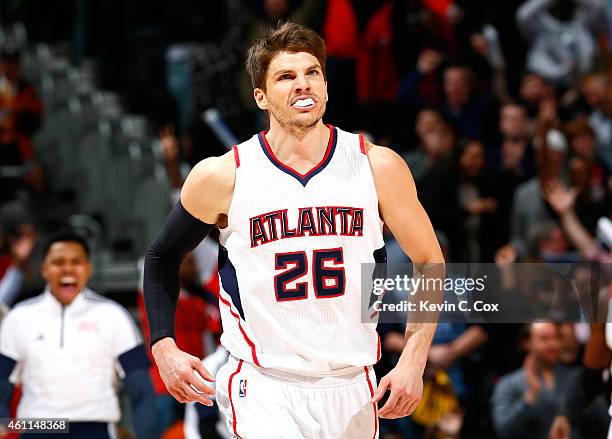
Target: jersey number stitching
327,281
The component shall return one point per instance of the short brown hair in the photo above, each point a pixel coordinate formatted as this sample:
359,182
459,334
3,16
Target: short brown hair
285,37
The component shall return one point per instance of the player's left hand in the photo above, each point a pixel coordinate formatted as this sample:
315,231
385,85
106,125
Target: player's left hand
406,386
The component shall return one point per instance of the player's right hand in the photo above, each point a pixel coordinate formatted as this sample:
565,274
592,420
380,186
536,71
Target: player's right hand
178,372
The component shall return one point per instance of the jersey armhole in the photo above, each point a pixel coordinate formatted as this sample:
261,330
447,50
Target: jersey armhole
231,205
236,156
362,144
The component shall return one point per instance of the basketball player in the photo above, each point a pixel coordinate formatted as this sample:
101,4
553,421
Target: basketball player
299,209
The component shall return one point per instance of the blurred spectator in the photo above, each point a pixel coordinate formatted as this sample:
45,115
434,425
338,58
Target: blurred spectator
53,340
20,249
586,385
20,118
18,226
458,100
188,25
464,107
529,207
571,350
525,402
593,88
581,137
601,121
592,200
515,152
377,80
562,34
533,90
548,242
586,172
476,200
563,201
435,176
420,87
37,201
511,162
436,144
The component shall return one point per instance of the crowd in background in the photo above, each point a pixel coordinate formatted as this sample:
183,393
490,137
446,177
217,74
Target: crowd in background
502,110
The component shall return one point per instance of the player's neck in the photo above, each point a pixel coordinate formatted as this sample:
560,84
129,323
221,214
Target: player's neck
294,147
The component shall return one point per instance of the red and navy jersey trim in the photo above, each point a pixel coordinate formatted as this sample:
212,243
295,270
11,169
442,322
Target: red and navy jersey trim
229,392
229,280
362,147
236,156
302,178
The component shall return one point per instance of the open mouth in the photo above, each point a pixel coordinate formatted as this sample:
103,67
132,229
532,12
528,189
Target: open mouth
68,285
304,104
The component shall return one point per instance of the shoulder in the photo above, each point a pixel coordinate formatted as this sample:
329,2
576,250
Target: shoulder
109,309
512,380
22,312
528,188
384,159
388,167
213,170
209,187
566,373
116,320
27,306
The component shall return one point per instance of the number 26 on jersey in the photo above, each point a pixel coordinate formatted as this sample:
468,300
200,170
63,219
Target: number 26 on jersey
328,277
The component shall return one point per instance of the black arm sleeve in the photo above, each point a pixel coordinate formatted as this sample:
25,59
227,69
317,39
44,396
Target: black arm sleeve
179,235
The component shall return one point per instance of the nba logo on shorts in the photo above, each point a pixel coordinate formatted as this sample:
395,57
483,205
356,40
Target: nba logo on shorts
242,388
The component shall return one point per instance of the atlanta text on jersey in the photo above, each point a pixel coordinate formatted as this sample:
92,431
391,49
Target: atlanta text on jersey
311,221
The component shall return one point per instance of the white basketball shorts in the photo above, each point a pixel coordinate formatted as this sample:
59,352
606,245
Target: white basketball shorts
262,403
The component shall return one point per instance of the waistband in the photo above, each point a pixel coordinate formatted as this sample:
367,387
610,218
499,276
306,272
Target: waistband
341,377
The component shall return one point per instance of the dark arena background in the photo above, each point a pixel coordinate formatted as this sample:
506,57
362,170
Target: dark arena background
501,109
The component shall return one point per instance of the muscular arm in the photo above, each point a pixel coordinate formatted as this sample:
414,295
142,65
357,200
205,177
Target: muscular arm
404,215
204,202
208,189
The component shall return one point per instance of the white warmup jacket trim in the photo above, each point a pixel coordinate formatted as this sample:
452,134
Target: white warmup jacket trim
67,356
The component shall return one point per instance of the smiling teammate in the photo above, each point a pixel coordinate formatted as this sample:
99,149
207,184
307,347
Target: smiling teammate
299,208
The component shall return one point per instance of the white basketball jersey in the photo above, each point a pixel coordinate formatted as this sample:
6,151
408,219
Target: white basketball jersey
290,259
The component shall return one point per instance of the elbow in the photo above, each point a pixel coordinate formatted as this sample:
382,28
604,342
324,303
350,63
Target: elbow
155,259
153,254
